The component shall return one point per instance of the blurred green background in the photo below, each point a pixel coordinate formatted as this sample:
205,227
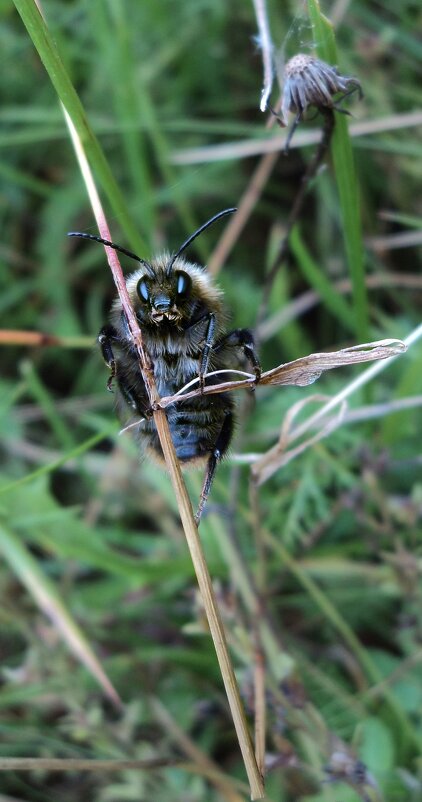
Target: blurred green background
93,538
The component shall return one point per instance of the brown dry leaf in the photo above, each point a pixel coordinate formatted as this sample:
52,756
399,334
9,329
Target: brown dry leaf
300,372
308,369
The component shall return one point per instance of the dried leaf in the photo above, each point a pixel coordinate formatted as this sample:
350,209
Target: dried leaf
308,369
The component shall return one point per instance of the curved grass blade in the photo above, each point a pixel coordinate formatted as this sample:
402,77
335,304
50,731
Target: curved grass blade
44,592
49,55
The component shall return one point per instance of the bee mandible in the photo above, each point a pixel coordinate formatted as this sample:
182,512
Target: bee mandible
180,313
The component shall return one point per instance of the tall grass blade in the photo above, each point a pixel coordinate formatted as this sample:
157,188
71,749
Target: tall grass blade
44,592
344,169
49,55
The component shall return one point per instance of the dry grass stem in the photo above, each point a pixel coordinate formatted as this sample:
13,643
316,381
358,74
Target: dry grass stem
297,205
194,753
40,339
257,147
278,456
403,239
260,706
245,207
77,764
303,303
266,47
381,410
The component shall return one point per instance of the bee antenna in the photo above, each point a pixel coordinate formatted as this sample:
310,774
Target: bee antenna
196,234
113,245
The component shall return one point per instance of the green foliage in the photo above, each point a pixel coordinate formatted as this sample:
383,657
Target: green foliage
98,595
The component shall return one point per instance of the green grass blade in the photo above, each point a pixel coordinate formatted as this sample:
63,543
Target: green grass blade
318,280
41,396
344,169
75,452
118,65
50,57
44,592
133,102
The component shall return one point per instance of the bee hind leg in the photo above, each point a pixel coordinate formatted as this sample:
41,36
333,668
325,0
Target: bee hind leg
217,453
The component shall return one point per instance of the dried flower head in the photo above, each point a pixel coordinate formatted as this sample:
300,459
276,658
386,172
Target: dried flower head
308,81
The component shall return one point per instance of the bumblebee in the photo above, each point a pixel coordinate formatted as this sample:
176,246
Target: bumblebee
180,314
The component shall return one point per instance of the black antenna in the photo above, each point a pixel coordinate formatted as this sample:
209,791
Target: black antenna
113,245
195,235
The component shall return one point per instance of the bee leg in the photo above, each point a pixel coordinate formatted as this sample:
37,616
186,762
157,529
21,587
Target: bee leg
105,337
130,398
217,453
209,341
242,338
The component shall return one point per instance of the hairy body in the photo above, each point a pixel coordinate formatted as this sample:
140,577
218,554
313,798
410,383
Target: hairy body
179,310
176,348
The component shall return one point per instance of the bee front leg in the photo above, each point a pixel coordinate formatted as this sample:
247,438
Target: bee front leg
105,337
209,341
220,448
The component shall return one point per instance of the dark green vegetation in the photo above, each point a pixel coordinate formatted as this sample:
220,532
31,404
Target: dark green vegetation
94,540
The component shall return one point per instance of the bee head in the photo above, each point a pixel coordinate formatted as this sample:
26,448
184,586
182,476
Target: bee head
168,288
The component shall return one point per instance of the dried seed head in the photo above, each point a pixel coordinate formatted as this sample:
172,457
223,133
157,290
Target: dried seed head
308,81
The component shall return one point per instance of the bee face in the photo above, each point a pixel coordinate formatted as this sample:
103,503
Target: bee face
161,297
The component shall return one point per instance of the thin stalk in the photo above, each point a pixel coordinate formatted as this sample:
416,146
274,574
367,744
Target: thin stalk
296,209
245,207
225,785
41,339
267,48
260,705
345,173
80,764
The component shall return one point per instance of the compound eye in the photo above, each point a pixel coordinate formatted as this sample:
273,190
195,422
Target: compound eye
142,290
184,283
